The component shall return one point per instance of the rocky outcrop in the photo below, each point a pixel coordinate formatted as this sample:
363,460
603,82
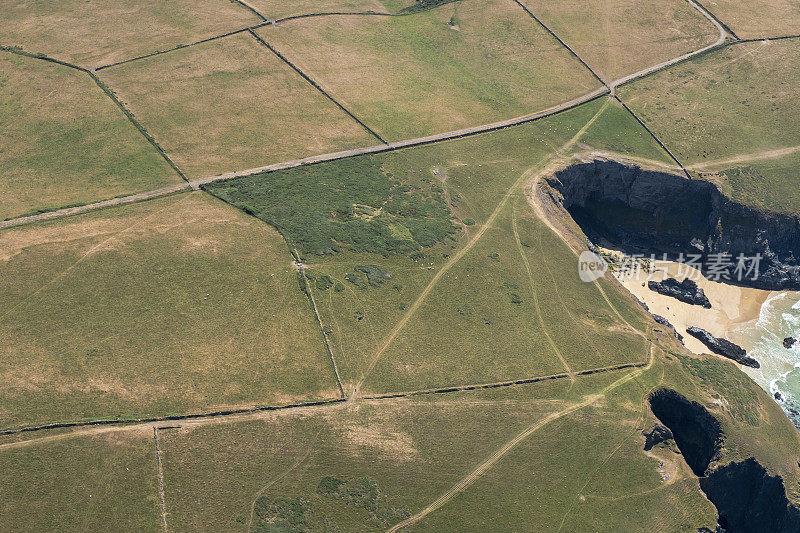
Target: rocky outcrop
788,342
664,322
723,347
686,291
747,498
644,211
656,436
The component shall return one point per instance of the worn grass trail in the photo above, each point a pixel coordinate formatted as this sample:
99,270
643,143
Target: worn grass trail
490,461
412,309
746,158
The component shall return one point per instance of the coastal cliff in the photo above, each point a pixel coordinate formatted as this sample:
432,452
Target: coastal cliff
656,212
747,498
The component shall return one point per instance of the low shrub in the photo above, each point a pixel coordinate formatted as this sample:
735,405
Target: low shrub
350,203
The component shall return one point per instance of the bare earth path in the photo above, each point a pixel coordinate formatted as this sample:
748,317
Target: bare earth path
746,158
470,478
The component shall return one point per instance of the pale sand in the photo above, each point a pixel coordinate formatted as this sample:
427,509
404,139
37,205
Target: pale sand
730,305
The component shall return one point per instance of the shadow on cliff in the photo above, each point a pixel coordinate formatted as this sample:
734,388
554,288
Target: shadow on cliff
746,497
652,212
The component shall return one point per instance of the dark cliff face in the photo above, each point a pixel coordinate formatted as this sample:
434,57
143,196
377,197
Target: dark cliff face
749,500
696,431
643,211
746,497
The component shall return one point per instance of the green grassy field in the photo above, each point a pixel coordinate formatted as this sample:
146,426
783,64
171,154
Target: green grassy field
175,305
615,130
765,183
617,38
575,450
81,484
424,267
487,297
230,105
582,469
99,32
274,9
213,475
758,19
65,142
458,65
738,100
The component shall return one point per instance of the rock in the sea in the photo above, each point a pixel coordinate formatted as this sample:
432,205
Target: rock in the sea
723,347
656,436
788,342
686,291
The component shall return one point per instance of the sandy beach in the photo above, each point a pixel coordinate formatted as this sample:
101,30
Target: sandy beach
730,305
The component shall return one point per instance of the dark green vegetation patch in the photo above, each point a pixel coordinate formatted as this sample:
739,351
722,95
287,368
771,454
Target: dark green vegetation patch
362,492
295,515
281,515
349,203
424,5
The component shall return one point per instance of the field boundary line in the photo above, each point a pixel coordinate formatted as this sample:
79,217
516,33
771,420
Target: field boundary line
557,38
111,202
109,93
502,384
161,500
175,48
315,85
133,424
301,271
263,23
168,418
133,120
758,39
653,135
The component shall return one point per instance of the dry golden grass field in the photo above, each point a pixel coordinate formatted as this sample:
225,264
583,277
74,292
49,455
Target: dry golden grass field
292,267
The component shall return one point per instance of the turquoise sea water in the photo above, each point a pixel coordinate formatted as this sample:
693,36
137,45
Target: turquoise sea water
763,339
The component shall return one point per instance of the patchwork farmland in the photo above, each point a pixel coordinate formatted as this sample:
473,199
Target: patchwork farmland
296,267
